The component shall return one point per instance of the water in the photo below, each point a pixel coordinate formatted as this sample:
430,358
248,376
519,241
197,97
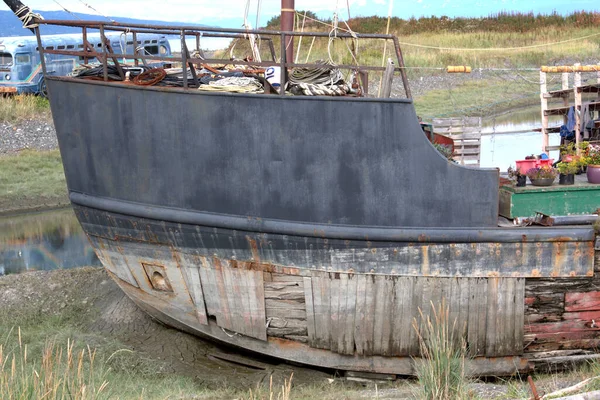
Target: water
43,241
500,150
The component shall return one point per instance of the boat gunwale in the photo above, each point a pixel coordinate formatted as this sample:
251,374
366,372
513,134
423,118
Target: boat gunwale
337,231
192,91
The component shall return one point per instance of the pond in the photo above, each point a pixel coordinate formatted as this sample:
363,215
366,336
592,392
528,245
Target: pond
43,241
500,150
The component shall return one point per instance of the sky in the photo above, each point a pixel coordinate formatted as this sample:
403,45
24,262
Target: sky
230,13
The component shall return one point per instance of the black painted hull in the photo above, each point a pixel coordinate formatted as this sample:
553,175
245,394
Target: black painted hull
312,240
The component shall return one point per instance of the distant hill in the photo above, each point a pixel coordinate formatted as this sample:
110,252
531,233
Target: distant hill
11,26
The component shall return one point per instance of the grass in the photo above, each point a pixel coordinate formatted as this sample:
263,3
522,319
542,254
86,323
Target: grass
30,179
21,107
442,372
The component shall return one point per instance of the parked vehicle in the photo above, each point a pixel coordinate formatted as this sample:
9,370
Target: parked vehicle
21,69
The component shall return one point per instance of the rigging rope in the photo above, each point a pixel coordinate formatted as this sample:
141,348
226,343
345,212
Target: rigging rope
28,17
64,8
97,12
476,48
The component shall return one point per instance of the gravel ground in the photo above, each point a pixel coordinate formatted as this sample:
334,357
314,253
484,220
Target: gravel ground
36,133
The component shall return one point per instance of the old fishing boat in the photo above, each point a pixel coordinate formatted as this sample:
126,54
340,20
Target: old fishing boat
314,229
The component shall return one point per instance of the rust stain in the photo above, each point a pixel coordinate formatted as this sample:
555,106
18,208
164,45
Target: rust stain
423,238
536,273
253,248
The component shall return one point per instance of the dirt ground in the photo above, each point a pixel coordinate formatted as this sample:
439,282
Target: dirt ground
102,308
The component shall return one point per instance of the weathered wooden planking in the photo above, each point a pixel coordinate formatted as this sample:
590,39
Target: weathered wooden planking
505,316
321,309
380,315
587,301
403,331
190,269
285,307
310,316
235,296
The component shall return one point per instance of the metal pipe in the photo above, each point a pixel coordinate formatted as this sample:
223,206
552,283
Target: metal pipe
350,232
174,29
287,24
562,220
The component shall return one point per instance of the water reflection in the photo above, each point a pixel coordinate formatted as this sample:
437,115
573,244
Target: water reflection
43,241
500,150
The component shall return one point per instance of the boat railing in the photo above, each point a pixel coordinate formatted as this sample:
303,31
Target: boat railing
189,61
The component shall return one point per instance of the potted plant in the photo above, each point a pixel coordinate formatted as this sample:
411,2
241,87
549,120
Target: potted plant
592,159
515,175
567,171
542,176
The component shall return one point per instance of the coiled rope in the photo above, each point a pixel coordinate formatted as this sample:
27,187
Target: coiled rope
28,18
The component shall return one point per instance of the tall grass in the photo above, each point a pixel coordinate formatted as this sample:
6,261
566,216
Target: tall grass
60,373
285,393
441,372
15,108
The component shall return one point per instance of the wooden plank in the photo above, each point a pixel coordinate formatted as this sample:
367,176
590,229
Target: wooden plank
256,297
477,316
380,314
588,301
463,305
193,275
403,318
492,317
370,307
348,343
224,316
310,313
233,300
360,325
277,277
519,317
417,305
272,304
334,309
321,300
388,315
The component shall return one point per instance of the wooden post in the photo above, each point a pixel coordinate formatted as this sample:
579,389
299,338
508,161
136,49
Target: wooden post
544,101
565,86
578,101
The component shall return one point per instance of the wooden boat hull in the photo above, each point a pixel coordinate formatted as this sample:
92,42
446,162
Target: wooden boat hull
308,245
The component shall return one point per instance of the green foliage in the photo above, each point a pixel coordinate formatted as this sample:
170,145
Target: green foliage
501,22
567,168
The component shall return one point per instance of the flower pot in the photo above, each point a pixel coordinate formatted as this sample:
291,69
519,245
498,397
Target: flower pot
521,180
593,173
566,179
525,165
542,181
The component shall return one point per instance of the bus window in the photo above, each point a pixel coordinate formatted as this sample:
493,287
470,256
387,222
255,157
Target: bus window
151,50
5,59
163,50
50,48
71,46
22,59
61,47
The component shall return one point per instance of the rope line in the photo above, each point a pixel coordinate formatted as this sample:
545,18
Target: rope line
476,48
97,12
64,8
28,17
